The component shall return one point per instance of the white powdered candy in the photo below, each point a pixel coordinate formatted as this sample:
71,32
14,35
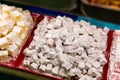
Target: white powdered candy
66,48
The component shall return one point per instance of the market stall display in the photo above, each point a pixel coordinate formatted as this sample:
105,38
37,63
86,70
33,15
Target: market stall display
57,47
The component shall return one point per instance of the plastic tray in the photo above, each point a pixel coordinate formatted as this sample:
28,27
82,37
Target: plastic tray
100,12
20,59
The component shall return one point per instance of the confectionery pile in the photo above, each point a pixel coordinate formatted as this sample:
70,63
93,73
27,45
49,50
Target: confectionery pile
67,48
15,25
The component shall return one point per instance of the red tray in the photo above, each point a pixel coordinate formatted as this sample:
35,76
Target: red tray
17,63
107,54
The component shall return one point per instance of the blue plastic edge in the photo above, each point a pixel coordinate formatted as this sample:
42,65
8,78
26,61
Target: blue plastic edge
99,23
51,12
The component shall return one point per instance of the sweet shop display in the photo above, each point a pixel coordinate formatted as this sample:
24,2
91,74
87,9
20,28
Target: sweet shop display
59,46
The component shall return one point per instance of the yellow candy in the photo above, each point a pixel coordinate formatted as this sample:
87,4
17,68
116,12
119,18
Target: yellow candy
3,55
3,43
13,50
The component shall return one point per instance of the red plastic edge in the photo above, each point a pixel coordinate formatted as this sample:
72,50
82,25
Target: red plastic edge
107,54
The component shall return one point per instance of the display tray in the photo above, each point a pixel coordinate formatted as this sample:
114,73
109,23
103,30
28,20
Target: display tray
17,64
100,12
38,15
